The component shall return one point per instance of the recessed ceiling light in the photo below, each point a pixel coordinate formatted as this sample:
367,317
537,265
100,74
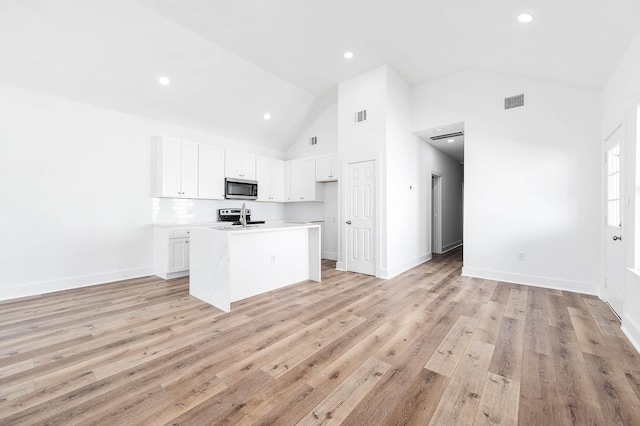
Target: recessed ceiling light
348,55
164,81
451,140
267,116
525,18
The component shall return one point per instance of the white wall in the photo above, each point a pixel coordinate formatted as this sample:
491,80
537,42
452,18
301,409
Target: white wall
403,180
531,177
408,185
325,128
330,217
76,193
620,105
363,142
451,173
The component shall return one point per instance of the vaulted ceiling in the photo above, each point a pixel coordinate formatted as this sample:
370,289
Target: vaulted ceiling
230,62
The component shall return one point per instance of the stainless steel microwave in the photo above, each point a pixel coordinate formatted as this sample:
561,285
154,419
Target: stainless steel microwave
240,189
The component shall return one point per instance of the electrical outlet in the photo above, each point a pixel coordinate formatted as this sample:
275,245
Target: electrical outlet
520,255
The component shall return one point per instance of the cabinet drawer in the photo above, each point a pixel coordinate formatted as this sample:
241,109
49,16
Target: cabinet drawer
179,233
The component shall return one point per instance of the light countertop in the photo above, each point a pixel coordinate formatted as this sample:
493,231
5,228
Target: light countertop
190,224
266,227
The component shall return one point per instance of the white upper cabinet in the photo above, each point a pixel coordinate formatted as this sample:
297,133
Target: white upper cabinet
270,177
176,168
302,181
189,170
295,180
210,173
240,165
327,167
287,181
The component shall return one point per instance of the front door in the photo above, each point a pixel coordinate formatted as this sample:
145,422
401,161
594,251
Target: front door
614,288
360,218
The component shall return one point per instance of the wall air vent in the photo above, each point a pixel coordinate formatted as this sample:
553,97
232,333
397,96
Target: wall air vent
514,101
446,136
313,140
361,116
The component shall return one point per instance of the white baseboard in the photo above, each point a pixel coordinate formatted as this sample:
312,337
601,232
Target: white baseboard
173,275
397,270
533,280
340,266
43,287
451,246
330,255
632,331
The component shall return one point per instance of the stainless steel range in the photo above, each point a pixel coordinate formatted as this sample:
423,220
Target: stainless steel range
233,216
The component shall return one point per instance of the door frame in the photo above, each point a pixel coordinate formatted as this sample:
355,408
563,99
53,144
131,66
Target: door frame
620,131
341,264
436,212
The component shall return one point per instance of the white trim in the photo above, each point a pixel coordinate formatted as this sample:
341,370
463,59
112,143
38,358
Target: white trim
43,287
330,255
172,275
451,246
632,331
390,273
613,132
436,213
533,280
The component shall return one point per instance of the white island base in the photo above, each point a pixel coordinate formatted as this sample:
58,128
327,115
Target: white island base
234,263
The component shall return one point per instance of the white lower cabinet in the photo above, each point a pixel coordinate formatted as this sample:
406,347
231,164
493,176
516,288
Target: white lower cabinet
178,255
171,251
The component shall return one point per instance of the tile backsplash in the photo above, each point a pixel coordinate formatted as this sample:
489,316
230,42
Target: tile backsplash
186,210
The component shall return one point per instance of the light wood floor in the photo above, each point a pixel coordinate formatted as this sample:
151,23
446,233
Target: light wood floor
427,347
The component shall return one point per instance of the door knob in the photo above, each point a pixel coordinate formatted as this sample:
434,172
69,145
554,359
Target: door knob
617,237
348,222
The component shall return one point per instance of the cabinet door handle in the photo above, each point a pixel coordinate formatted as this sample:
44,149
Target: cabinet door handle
348,222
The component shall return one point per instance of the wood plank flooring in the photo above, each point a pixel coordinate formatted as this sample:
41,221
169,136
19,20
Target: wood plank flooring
426,348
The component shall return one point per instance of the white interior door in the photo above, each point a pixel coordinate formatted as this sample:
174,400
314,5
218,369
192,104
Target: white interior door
360,218
614,290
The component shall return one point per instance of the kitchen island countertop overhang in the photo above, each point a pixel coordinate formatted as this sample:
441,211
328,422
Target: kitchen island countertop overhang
233,263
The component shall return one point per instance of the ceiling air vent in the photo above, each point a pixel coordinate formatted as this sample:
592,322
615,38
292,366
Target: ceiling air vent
361,116
446,136
514,101
313,140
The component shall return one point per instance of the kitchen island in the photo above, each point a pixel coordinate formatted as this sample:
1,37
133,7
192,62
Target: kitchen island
233,263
